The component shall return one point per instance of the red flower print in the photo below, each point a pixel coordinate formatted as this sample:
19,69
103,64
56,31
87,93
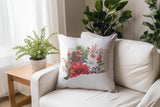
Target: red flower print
64,60
99,58
64,69
92,72
77,68
79,52
79,56
93,56
88,48
69,54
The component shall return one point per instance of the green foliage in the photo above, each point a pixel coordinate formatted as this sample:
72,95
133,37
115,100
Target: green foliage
106,21
83,50
37,47
154,36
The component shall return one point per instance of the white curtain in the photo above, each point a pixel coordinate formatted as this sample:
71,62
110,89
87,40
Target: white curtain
17,19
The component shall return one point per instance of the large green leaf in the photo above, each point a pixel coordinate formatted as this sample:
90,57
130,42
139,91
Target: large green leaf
102,15
158,43
90,16
121,5
157,25
120,29
85,21
86,10
114,2
107,3
119,34
153,1
111,11
95,24
125,16
150,38
157,16
117,1
147,1
145,35
98,16
108,20
153,13
147,16
157,35
150,2
98,5
155,20
157,32
89,29
149,25
153,7
115,16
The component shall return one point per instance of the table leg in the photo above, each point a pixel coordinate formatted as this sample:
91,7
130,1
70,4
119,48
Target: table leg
11,91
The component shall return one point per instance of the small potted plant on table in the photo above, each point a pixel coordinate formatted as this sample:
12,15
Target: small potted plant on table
37,48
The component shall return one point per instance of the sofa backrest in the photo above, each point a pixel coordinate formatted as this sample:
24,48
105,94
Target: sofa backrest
136,64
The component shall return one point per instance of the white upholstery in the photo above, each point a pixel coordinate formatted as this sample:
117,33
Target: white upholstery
136,64
140,58
91,98
152,96
44,94
42,82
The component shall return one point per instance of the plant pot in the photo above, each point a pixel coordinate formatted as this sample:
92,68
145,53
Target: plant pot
37,65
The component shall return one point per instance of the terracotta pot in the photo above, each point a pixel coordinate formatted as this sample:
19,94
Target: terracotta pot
37,65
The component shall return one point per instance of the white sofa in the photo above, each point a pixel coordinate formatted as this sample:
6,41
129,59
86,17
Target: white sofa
136,73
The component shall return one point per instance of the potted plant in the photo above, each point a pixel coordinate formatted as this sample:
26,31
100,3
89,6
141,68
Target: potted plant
153,36
108,20
37,48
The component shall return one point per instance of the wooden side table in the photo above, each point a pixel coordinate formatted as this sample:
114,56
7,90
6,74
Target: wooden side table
22,75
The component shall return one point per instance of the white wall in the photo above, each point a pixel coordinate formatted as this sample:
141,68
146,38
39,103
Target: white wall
133,28
74,15
70,13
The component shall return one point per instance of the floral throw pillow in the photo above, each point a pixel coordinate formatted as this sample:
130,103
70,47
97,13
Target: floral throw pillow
84,63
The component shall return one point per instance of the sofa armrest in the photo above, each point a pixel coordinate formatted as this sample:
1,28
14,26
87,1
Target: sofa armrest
152,96
157,103
42,82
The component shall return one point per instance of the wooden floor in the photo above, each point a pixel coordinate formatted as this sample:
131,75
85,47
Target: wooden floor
4,102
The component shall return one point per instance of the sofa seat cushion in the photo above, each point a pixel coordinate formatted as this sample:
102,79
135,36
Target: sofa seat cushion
90,98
